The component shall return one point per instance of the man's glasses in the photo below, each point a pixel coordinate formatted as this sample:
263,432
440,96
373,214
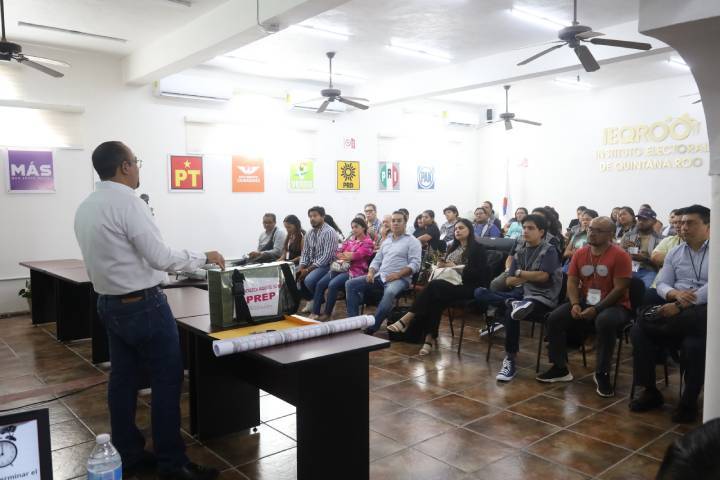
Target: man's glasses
137,162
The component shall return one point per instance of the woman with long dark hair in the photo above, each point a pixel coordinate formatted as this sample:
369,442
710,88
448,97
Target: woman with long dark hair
464,254
353,257
331,221
294,240
513,229
626,222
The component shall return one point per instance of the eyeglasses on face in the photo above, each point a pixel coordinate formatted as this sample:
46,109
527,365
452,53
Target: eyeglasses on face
136,161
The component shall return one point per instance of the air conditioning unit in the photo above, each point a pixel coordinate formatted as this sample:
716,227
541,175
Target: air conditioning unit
194,88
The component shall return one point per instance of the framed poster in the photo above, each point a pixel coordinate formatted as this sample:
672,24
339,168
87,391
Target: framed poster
30,171
248,175
302,176
425,178
186,173
25,445
389,176
348,175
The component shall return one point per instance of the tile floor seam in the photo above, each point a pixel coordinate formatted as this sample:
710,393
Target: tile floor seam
232,469
260,458
614,465
553,462
673,428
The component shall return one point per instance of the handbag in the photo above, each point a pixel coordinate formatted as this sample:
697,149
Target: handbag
338,266
448,274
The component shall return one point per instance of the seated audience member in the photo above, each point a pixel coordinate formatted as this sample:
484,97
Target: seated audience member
669,242
614,216
669,229
384,231
406,212
373,222
536,279
597,292
470,259
390,271
639,243
331,221
679,324
482,226
493,219
417,224
646,205
270,243
428,234
693,456
579,239
351,261
625,222
446,230
317,254
574,225
513,229
361,215
292,249
658,228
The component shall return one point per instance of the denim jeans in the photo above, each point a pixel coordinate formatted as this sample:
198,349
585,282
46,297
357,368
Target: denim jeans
355,290
486,297
143,336
332,282
307,286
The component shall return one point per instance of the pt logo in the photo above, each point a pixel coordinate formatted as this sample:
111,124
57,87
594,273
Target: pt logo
186,172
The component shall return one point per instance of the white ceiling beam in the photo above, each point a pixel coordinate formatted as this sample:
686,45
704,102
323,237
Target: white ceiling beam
226,28
502,68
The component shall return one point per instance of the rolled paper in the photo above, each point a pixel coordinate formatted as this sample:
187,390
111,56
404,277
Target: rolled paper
247,343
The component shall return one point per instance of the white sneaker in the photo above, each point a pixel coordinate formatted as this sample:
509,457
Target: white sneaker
308,307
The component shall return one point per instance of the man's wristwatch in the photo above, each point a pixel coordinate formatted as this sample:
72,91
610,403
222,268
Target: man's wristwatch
517,272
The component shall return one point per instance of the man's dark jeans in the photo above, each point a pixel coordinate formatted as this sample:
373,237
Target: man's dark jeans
144,337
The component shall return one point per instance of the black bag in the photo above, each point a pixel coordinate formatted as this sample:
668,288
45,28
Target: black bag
414,333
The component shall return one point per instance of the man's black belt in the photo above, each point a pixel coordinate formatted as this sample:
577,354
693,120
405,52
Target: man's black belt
137,293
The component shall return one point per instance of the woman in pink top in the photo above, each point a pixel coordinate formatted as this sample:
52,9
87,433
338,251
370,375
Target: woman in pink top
356,251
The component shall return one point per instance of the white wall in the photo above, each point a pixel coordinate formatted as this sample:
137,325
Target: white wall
37,227
562,165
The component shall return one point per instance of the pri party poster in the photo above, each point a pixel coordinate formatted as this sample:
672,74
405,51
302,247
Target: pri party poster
186,173
302,176
425,178
248,175
30,171
389,176
348,175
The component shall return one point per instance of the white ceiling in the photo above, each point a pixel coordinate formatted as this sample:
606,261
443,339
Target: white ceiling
137,21
464,29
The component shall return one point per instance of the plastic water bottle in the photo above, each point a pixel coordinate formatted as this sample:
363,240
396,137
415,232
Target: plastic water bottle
104,462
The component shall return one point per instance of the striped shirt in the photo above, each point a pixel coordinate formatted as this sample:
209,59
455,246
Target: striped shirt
320,247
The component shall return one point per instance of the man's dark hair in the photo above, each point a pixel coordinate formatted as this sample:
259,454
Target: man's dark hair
400,212
699,210
581,208
405,212
319,210
590,213
693,456
371,205
674,211
629,210
107,158
451,208
538,220
271,215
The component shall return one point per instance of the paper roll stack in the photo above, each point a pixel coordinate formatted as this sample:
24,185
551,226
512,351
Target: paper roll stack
268,339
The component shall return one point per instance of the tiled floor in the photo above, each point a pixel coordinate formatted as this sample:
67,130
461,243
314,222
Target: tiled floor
439,417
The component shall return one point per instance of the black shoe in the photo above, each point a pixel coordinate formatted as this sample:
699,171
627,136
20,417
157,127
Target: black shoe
191,471
650,399
147,461
684,414
602,382
555,374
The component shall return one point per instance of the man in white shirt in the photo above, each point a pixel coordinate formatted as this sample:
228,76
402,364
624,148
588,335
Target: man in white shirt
126,259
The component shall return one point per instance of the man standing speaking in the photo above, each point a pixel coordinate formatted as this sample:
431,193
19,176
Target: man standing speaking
126,260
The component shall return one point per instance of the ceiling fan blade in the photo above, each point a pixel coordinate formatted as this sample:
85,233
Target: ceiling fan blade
620,43
586,58
352,104
538,55
526,121
697,101
49,61
508,125
689,95
22,59
357,99
587,35
324,106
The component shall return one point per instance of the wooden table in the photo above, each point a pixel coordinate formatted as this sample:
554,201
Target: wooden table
326,378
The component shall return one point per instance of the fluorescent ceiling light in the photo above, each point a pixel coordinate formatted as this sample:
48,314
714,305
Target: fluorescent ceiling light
678,63
399,46
320,32
538,18
571,82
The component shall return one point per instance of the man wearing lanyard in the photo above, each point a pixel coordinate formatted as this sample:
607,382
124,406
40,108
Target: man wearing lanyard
597,291
682,322
126,258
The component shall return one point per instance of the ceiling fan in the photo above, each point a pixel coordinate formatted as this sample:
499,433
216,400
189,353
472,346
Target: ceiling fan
12,51
509,117
332,94
573,35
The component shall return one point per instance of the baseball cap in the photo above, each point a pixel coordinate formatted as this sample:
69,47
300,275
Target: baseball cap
646,213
